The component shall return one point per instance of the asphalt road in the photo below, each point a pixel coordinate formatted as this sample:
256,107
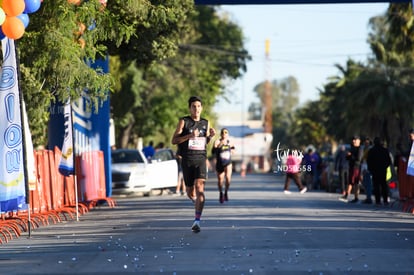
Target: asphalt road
260,230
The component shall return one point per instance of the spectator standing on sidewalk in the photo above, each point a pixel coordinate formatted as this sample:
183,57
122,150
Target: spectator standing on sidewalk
342,168
410,143
354,157
402,155
293,166
192,135
311,159
378,160
366,174
222,151
180,188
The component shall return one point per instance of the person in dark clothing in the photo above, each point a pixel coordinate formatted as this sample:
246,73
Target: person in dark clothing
366,175
378,160
311,159
354,157
341,166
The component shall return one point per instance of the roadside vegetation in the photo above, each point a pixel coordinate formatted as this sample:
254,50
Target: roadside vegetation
161,52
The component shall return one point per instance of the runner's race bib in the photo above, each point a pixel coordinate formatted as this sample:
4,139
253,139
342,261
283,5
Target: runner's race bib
225,155
197,143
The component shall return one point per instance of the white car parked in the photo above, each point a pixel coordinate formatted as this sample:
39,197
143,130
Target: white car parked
133,173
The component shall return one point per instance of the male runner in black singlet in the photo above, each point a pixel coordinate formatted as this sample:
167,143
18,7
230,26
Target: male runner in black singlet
192,135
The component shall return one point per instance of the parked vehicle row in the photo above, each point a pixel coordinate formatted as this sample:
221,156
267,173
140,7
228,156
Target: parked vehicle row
133,173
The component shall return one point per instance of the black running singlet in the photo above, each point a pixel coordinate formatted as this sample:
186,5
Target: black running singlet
194,148
223,154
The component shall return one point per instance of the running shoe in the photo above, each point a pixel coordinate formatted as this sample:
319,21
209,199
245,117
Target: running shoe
304,189
221,198
287,192
226,198
196,227
343,198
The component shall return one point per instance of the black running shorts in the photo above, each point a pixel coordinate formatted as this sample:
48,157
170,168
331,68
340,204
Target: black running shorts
194,169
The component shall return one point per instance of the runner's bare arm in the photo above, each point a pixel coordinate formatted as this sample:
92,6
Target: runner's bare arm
177,139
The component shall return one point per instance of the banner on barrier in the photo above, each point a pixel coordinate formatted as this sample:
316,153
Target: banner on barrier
12,177
90,127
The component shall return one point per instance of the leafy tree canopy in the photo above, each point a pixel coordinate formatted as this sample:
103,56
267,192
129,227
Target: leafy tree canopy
62,39
374,99
153,96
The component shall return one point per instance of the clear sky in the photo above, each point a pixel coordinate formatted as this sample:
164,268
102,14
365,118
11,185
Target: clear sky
305,42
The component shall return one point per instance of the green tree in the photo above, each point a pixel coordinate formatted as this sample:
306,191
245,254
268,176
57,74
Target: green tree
337,105
374,99
145,31
285,99
308,126
62,39
212,50
392,43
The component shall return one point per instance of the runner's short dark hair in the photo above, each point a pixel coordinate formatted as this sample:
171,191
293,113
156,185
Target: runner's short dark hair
193,99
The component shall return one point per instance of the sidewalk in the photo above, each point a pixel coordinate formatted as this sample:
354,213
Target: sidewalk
259,231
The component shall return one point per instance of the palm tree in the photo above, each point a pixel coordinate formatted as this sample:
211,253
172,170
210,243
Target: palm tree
388,82
376,99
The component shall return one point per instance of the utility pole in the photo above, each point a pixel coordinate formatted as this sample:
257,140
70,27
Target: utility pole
267,92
